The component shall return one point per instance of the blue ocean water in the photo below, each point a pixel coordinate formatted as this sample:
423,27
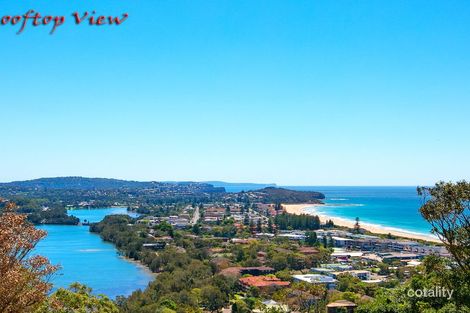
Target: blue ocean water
394,207
87,259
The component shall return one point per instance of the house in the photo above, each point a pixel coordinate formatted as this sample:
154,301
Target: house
178,222
322,271
337,266
341,306
264,235
155,246
240,241
254,271
211,219
317,279
346,254
361,274
163,238
272,305
400,256
263,282
215,212
261,256
293,236
216,250
221,262
413,263
341,242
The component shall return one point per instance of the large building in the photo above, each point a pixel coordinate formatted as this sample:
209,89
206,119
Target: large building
317,279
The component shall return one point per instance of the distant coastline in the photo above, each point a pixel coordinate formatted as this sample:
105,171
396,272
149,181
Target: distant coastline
306,208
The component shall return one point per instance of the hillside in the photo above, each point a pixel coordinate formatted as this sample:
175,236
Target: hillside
282,195
75,183
277,195
237,187
46,199
85,183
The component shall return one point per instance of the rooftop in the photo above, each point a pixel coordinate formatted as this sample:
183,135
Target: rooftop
263,281
315,278
341,304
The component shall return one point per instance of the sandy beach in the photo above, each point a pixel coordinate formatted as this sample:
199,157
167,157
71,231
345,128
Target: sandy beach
300,209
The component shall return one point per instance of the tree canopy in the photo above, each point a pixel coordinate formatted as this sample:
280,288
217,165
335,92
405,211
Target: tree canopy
447,208
23,277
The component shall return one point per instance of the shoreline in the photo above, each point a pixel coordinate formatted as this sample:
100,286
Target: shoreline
137,263
299,209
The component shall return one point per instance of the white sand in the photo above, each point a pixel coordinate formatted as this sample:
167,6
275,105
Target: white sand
376,229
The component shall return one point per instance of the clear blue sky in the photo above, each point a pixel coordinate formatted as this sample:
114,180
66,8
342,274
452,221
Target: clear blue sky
291,92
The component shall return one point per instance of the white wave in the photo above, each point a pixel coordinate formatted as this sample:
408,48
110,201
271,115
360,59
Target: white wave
90,250
343,205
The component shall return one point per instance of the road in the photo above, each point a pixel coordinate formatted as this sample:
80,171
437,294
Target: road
196,216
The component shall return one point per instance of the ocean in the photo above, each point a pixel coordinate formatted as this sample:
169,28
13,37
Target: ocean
87,259
394,207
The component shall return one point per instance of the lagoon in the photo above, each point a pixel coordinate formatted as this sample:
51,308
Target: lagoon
84,257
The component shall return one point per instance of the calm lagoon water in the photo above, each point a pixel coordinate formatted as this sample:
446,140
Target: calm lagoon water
87,259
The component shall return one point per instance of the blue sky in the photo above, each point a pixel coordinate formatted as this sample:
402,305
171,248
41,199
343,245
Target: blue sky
291,92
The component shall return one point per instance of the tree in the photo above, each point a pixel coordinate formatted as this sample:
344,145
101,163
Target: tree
347,282
279,261
212,298
240,306
331,242
357,226
329,224
77,299
166,227
447,208
252,226
304,297
259,226
311,238
270,226
196,229
24,279
246,220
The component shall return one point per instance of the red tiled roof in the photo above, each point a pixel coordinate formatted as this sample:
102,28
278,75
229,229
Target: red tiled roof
263,281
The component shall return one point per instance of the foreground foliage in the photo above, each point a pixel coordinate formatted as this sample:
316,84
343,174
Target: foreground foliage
447,209
77,299
446,206
23,277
